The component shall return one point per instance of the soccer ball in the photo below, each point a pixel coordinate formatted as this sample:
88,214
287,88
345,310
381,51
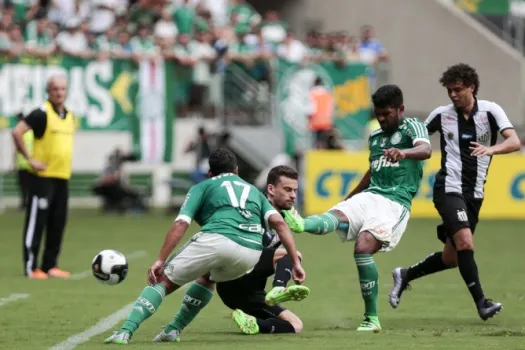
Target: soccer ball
110,267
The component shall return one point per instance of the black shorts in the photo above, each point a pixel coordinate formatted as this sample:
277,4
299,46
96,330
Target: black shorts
247,292
457,212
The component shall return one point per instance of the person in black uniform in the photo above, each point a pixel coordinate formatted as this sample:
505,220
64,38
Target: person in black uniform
255,310
53,128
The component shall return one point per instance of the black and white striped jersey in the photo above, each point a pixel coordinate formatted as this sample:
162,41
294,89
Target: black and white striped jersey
460,172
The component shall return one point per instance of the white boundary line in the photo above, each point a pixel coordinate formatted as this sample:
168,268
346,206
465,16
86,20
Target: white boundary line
13,297
100,327
133,256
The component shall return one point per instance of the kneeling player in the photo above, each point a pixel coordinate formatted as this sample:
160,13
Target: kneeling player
255,311
230,212
376,212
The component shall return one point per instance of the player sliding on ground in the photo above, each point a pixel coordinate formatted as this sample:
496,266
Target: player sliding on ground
376,212
230,212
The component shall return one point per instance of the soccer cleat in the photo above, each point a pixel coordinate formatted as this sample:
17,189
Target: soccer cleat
487,309
283,294
38,274
121,338
163,337
247,324
58,273
400,284
370,324
294,221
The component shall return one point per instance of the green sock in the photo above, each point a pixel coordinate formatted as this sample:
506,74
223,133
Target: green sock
368,279
147,303
196,298
321,224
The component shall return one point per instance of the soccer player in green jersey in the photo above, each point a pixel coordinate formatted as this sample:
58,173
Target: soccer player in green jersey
230,213
376,212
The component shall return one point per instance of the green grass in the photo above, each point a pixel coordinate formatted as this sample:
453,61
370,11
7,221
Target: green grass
436,314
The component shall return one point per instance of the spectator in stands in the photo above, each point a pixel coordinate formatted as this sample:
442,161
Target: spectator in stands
73,41
165,29
371,50
39,37
243,15
292,49
273,30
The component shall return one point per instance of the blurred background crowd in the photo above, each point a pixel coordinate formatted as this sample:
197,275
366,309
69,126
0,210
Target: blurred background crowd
204,35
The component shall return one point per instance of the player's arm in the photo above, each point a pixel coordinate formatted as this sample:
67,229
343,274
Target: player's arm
188,210
509,145
499,121
420,140
276,221
36,121
361,186
420,151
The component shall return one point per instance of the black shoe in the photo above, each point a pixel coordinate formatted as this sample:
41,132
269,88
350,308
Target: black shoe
487,309
400,284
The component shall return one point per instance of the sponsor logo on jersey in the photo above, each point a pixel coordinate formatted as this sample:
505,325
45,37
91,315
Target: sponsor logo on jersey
382,162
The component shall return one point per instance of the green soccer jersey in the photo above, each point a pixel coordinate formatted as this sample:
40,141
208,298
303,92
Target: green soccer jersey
228,205
399,181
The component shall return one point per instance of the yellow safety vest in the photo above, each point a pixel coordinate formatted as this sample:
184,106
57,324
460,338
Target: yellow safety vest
55,147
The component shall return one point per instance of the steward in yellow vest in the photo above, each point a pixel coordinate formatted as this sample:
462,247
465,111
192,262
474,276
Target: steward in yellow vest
50,165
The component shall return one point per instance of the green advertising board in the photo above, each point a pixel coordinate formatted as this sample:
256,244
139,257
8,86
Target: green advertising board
350,87
98,90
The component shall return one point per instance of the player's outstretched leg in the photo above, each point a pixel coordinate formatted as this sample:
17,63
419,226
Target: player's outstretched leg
195,299
316,224
280,293
365,247
147,303
433,263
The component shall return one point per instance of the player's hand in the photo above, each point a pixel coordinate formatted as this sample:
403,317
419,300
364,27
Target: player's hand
155,271
298,274
478,150
37,165
393,155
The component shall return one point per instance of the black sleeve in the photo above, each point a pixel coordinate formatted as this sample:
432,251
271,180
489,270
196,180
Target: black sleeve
37,120
433,122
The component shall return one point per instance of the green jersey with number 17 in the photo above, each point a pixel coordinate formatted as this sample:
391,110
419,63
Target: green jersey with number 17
399,181
228,205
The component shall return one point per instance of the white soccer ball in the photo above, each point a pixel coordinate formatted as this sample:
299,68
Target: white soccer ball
110,267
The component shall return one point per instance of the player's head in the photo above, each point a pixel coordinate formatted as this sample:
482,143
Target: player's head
222,161
388,106
281,187
462,83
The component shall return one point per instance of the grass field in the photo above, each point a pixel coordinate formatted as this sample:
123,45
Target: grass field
436,314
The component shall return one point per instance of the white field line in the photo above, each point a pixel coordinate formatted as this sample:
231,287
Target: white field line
13,297
101,327
133,256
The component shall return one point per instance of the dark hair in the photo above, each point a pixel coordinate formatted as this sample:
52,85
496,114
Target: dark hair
388,96
221,161
461,73
281,170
